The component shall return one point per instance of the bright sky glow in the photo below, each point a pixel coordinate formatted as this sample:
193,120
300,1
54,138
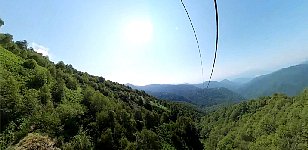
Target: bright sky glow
138,32
151,41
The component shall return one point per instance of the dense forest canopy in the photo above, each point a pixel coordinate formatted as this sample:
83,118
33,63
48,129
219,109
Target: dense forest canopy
273,122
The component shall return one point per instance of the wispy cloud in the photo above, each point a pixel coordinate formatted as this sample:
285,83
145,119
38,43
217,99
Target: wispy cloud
40,49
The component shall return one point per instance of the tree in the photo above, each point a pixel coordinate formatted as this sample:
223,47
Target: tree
60,65
71,83
22,44
81,141
1,22
188,132
106,140
139,120
148,139
94,100
105,119
69,113
41,60
45,94
40,78
58,92
30,102
151,119
6,40
30,64
10,99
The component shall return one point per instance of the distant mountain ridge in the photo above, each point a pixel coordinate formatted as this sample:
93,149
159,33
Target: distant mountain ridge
291,81
241,80
218,84
170,88
191,94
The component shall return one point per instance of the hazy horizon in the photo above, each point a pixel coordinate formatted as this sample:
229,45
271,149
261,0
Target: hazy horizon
249,75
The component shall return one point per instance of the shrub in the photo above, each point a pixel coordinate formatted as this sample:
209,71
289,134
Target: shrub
30,64
36,141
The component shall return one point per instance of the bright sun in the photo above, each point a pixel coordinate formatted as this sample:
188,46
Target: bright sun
138,32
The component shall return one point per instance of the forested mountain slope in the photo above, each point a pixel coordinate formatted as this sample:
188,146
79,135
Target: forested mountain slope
55,106
291,81
276,122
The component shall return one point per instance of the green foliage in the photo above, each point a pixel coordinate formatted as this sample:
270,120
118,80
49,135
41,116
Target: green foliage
186,134
10,63
71,83
81,141
60,65
69,110
94,100
58,91
81,111
10,99
22,44
39,79
30,64
276,122
41,60
151,120
6,40
45,95
147,139
30,102
106,140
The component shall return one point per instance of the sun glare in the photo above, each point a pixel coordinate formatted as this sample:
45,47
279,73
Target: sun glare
138,32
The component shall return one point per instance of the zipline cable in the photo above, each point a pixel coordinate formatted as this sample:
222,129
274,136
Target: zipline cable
196,38
214,61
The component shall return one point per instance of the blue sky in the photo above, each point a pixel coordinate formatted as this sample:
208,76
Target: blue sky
101,37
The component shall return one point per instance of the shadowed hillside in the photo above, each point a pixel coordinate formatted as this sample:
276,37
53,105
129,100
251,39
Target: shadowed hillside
291,81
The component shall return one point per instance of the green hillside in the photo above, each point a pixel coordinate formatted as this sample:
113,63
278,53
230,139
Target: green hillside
291,81
276,122
55,106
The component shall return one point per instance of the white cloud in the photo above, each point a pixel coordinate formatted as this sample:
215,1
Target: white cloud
40,49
